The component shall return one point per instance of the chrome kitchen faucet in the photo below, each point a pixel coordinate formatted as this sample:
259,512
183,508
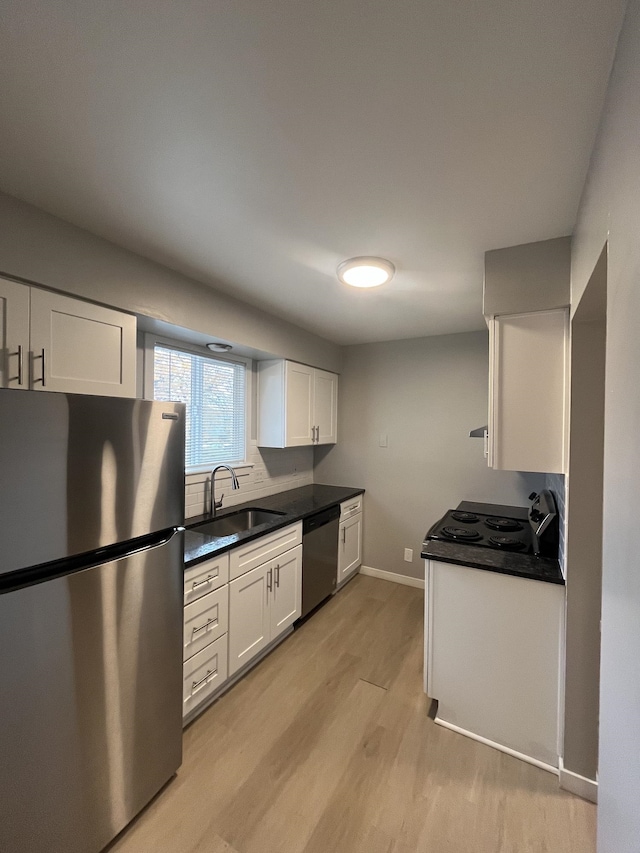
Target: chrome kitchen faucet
215,505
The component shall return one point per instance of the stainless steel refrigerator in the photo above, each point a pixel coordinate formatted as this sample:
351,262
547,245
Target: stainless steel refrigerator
91,499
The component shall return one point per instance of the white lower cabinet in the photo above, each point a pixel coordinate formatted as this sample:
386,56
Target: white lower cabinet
227,624
205,577
206,620
349,538
250,616
263,603
286,600
203,674
493,653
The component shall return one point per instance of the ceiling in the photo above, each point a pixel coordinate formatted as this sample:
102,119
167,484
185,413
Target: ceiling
255,144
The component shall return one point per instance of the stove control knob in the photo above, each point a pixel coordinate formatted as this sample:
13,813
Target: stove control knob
533,495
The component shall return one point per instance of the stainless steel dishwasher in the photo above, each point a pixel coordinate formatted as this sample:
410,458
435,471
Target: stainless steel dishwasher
319,557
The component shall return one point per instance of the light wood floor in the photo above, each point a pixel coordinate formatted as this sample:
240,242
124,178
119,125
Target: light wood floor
326,747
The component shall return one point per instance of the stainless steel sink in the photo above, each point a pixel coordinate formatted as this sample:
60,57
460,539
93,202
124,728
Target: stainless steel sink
237,522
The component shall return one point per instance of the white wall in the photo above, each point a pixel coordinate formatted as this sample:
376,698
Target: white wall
272,471
610,209
45,250
424,394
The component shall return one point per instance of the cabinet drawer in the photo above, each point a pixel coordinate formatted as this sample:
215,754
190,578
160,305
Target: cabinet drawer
205,577
203,674
205,620
351,507
265,548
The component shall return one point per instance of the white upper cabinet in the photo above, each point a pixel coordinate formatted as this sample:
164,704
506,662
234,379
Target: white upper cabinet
297,405
81,347
527,391
299,411
14,334
326,407
53,342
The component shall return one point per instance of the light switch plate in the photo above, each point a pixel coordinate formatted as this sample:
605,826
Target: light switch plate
383,440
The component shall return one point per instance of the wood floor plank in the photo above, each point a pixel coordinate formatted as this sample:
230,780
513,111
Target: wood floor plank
326,747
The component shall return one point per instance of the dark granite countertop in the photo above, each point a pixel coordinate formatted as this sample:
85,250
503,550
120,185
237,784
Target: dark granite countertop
295,504
504,562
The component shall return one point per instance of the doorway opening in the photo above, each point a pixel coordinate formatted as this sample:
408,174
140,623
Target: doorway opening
584,529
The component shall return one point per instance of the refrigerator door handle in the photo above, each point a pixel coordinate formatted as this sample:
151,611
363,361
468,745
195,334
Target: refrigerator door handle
59,568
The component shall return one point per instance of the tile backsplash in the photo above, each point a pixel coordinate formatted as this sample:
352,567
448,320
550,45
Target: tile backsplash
271,471
557,485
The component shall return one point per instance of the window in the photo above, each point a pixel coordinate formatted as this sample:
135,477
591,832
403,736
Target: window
214,391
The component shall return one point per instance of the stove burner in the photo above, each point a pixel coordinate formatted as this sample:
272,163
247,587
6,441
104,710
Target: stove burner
466,517
507,542
508,525
463,533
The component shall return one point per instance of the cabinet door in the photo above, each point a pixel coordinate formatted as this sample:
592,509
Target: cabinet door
80,347
249,625
528,352
349,546
299,404
326,406
286,599
14,334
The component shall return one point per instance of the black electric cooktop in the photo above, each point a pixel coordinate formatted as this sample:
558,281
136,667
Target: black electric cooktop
485,531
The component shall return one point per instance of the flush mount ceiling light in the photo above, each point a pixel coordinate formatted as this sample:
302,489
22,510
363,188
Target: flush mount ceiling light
217,346
366,272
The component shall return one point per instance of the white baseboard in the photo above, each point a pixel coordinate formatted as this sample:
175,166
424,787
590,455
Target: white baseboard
405,580
521,755
578,785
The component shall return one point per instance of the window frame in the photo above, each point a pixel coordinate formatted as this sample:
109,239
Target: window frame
150,342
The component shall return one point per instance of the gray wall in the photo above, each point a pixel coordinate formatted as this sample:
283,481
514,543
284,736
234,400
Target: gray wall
610,209
46,250
425,394
584,547
530,277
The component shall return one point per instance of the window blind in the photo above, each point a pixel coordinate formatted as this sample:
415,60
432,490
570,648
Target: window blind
214,393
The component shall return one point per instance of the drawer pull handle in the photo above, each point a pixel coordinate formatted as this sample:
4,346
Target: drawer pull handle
351,508
196,684
208,579
278,576
270,580
204,627
344,535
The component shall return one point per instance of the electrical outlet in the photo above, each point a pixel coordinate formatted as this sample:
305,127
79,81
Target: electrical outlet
408,555
257,477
